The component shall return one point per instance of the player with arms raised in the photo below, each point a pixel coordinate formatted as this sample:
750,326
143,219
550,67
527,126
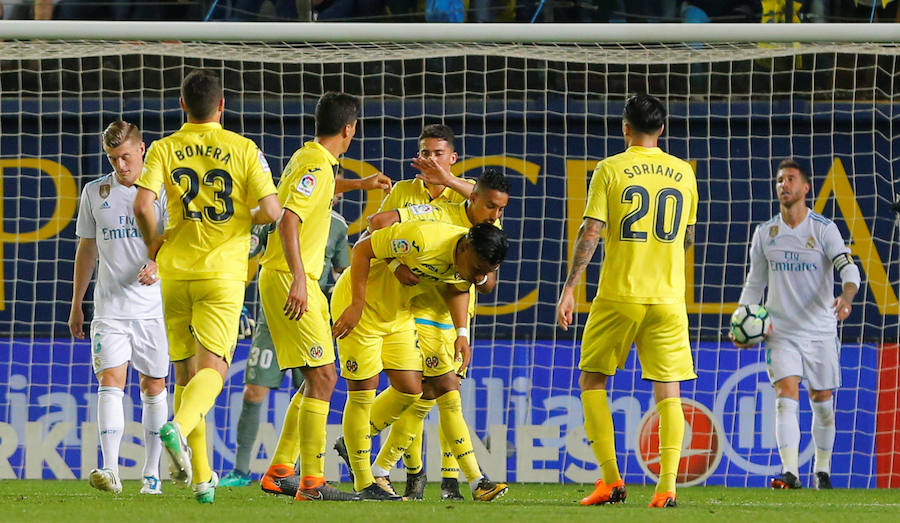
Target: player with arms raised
794,254
646,203
128,318
218,184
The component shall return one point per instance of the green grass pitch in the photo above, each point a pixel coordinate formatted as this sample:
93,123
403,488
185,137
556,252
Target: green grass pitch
71,501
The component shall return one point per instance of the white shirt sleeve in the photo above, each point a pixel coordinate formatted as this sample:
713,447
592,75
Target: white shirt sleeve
85,226
836,251
758,277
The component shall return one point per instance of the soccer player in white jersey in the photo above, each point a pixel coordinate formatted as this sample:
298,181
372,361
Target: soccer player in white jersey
128,318
793,254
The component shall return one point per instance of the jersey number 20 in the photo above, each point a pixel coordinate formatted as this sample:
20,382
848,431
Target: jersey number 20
217,179
662,231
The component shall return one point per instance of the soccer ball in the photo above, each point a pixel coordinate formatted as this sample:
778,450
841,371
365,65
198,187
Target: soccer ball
750,324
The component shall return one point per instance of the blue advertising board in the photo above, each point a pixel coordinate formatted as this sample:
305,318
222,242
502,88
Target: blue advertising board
521,399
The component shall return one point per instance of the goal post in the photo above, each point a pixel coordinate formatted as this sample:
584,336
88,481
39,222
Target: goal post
542,102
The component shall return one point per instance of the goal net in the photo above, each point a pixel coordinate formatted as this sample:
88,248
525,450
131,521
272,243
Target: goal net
543,112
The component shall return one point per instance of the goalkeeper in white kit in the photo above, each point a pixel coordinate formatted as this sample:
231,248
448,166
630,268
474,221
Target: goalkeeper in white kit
128,316
793,255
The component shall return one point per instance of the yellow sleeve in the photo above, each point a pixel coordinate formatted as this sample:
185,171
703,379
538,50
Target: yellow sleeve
259,176
391,201
421,212
597,205
396,241
153,175
306,188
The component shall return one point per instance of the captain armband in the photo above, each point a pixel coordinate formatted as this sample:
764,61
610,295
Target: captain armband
842,260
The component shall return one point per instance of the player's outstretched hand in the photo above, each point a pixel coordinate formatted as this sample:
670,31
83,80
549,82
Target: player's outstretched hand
462,352
76,322
347,321
149,273
430,171
406,276
376,181
296,304
564,309
841,308
739,345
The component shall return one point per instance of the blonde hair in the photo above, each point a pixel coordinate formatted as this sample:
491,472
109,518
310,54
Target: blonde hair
120,132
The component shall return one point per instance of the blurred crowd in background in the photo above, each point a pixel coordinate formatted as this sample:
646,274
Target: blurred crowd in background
509,11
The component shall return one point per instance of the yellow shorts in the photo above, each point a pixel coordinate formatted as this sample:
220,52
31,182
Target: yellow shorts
298,343
437,341
374,345
207,311
660,332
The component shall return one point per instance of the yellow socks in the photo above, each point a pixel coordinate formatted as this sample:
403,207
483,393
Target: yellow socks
198,397
356,436
196,440
412,458
313,418
404,433
288,448
671,438
387,408
176,398
449,465
598,427
457,433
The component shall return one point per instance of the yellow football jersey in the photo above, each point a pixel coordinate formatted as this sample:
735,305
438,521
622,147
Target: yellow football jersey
306,188
647,198
412,192
212,178
427,248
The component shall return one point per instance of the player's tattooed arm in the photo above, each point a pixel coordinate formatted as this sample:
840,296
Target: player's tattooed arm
585,244
690,234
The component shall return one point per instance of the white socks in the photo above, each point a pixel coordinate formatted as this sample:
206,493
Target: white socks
154,414
787,433
110,424
823,433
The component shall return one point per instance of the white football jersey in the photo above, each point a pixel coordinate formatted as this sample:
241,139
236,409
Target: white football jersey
797,265
107,215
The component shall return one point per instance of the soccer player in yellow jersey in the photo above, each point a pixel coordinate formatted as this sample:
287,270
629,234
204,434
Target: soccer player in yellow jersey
434,330
433,184
375,328
296,309
646,203
218,184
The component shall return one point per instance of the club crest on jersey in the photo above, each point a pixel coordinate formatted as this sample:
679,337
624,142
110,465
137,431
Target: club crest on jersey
399,246
811,243
262,162
773,231
431,362
104,190
316,352
307,184
351,365
420,209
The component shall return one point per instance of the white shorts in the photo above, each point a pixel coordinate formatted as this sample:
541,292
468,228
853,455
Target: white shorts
815,361
142,342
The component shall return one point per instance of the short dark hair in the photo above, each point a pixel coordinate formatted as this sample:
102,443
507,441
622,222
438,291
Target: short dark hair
492,179
644,113
489,242
334,111
790,163
439,131
201,91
